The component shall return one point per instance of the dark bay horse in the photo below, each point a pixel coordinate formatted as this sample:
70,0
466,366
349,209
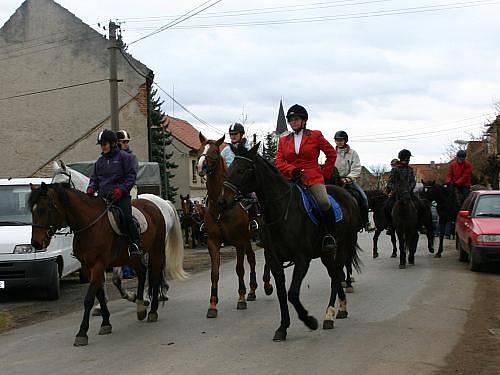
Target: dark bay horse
447,205
190,221
376,202
291,236
405,220
229,225
98,247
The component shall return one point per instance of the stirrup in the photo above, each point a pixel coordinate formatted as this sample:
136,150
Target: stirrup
329,244
133,250
253,225
368,227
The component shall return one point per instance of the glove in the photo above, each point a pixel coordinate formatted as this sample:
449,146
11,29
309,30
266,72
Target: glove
90,192
117,194
297,174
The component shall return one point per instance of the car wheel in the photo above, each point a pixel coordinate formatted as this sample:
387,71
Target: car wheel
473,264
462,255
52,291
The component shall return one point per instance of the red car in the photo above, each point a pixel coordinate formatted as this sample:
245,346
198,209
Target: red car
478,229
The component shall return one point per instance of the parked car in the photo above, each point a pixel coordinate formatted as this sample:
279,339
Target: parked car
478,229
20,264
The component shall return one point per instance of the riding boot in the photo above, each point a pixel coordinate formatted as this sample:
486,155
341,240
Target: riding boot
133,249
329,243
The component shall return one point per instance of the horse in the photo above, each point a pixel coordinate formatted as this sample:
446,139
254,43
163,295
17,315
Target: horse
376,202
405,219
97,246
291,236
226,224
190,221
447,205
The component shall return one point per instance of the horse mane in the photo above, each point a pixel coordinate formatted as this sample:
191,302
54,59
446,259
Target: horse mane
61,189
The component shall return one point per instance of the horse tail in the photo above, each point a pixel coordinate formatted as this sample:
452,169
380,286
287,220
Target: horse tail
356,261
174,244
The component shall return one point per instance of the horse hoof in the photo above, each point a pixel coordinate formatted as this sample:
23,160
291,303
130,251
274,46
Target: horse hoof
402,266
349,289
431,250
438,255
152,317
212,313
311,323
375,255
130,296
342,314
279,335
251,297
394,255
328,324
242,305
81,341
96,311
146,303
411,262
343,284
105,330
268,290
141,315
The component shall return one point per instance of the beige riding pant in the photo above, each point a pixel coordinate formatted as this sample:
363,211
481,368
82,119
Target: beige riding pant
321,196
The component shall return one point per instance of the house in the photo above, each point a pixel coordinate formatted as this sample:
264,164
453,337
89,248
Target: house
184,148
428,172
55,91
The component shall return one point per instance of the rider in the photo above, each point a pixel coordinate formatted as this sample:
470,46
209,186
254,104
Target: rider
237,135
297,158
459,174
407,172
113,177
349,168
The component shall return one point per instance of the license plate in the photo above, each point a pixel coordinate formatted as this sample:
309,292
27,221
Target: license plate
2,284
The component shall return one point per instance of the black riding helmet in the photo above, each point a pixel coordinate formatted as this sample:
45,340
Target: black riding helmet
236,128
341,135
461,154
404,155
297,110
106,136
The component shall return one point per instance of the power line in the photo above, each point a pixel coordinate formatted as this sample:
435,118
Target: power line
178,20
53,89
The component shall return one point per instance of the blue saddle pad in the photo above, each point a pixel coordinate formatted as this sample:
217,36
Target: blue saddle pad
312,208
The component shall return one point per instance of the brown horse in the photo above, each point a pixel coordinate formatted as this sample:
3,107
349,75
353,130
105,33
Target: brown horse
188,220
226,224
98,247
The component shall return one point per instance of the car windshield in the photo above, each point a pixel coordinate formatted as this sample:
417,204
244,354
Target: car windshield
488,206
14,205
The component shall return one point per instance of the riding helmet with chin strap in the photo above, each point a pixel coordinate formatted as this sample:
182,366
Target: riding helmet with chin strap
341,135
461,154
123,135
297,110
404,155
237,128
106,136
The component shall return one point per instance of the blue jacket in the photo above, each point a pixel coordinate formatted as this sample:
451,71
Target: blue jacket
112,170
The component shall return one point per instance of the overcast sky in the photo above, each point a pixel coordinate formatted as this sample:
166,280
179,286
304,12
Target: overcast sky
385,80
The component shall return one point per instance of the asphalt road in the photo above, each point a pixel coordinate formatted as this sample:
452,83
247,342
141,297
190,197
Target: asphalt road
400,322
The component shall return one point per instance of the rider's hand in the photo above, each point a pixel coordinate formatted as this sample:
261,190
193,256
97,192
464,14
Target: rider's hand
297,174
90,192
117,194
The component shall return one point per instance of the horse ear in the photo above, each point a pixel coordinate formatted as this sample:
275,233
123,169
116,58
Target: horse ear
422,181
32,187
220,141
202,138
254,149
43,187
187,197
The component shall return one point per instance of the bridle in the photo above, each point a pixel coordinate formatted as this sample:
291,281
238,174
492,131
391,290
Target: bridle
210,170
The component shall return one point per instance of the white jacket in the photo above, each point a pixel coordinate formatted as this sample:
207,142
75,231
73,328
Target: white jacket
348,163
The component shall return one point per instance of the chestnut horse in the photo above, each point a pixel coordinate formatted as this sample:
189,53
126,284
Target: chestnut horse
97,246
226,224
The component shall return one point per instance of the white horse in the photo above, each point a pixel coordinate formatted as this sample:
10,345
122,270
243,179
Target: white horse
65,174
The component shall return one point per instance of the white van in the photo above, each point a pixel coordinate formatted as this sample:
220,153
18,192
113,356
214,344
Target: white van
20,264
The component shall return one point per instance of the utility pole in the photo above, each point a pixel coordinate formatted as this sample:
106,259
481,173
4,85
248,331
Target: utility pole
113,76
164,138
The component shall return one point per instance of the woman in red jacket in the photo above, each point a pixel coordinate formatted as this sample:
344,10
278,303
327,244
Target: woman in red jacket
297,158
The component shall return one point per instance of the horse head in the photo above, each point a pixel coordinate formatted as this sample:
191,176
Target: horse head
242,175
208,155
401,185
45,203
186,204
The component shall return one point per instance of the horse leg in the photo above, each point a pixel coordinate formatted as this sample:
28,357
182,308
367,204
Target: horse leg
342,313
394,246
117,281
193,235
329,320
442,229
106,325
240,271
376,235
214,251
253,276
96,283
299,272
141,273
279,278
266,278
156,278
402,250
412,247
348,278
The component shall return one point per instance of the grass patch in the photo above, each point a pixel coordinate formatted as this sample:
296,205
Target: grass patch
4,321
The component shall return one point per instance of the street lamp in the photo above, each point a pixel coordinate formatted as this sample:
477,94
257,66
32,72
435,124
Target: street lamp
461,142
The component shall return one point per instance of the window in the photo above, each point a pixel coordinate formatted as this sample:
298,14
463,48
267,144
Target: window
194,177
488,206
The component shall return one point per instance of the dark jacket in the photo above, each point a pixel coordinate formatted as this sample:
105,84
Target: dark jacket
407,172
112,170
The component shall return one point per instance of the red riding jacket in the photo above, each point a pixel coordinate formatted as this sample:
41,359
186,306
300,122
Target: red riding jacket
459,173
311,144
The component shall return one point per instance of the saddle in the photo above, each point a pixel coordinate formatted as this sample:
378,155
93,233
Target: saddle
117,220
312,208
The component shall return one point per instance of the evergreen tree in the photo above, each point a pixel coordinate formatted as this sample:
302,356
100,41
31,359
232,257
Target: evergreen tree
161,138
270,148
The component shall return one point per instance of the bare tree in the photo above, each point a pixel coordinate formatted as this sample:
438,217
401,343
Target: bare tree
379,171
